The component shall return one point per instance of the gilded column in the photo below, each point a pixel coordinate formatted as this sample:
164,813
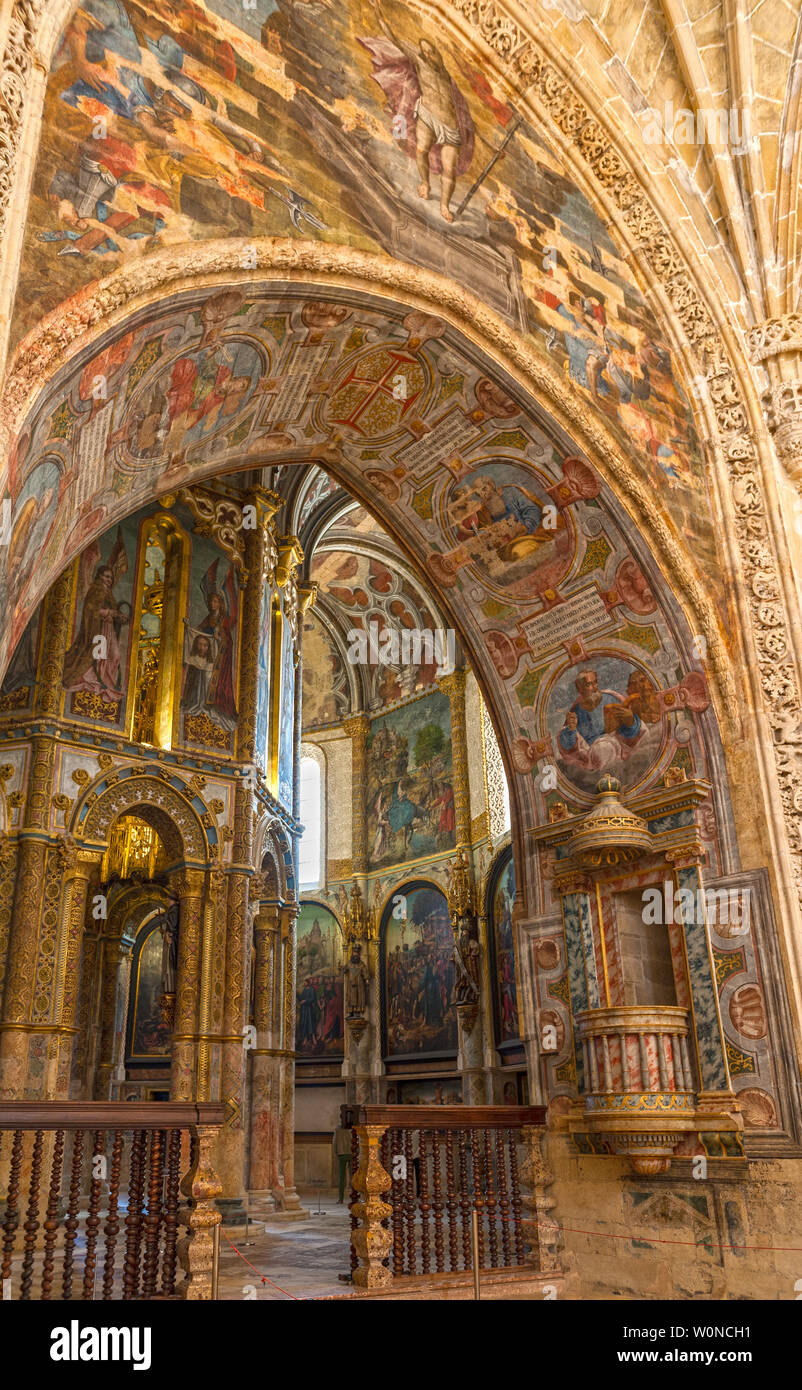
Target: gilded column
83,1047
453,686
49,690
66,1013
189,886
260,556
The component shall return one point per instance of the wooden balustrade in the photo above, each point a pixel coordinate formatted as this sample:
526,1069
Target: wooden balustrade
92,1192
419,1173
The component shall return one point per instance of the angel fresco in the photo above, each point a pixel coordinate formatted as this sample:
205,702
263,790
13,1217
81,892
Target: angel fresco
209,653
89,664
430,114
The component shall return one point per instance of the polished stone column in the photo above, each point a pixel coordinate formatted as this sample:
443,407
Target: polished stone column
286,1194
265,1063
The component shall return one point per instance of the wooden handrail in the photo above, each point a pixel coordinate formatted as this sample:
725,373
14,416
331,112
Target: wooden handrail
102,1114
451,1116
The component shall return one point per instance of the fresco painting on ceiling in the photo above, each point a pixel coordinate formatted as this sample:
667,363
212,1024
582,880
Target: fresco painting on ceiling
169,124
410,782
419,976
504,955
319,988
16,692
364,595
95,674
154,984
504,533
612,715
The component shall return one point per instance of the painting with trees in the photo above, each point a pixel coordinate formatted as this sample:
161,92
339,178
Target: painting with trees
410,784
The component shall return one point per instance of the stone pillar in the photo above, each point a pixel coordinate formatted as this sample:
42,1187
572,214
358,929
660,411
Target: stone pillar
104,1071
15,1038
231,1140
357,730
189,886
542,1234
83,1049
121,1016
286,1194
265,1063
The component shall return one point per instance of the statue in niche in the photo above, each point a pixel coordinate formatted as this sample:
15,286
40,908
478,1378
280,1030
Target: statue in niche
356,984
169,934
468,953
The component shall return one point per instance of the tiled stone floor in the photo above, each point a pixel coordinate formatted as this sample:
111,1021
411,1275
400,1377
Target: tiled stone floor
301,1257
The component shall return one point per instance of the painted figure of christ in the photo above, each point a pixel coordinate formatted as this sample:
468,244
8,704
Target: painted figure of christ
424,99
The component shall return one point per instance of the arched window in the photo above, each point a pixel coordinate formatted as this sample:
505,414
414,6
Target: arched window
310,854
498,795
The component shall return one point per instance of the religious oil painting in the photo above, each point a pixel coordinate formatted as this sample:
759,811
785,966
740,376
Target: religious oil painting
153,989
319,985
410,782
419,975
210,649
95,675
503,941
606,716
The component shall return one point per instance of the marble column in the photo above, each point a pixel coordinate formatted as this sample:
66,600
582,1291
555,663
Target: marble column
17,1079
286,1194
265,1064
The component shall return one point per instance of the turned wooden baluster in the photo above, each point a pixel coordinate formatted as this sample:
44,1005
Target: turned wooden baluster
51,1224
31,1223
439,1250
451,1202
423,1147
11,1218
93,1217
73,1206
171,1211
516,1197
133,1220
410,1203
490,1200
152,1221
464,1198
503,1198
112,1225
478,1201
353,1197
397,1199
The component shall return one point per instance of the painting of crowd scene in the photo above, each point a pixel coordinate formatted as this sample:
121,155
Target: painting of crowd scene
419,975
504,953
439,1091
410,788
319,987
